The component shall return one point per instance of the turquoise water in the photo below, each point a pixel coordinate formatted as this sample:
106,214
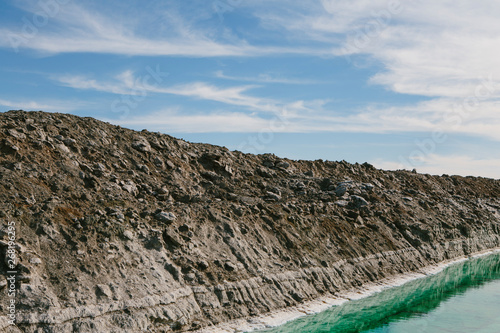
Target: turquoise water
464,297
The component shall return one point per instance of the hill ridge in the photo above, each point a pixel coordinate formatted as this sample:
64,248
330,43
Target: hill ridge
120,230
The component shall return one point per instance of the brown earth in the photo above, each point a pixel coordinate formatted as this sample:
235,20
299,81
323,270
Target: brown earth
125,231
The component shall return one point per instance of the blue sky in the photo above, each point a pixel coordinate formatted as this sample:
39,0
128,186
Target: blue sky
399,84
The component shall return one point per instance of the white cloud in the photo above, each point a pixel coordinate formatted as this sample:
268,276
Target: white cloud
444,50
173,121
77,28
50,105
438,49
122,44
231,96
73,28
462,165
127,83
469,116
264,78
429,48
122,85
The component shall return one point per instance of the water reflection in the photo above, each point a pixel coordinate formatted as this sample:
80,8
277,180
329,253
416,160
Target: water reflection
411,300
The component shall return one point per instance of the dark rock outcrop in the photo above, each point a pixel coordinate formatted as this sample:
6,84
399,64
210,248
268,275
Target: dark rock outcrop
121,231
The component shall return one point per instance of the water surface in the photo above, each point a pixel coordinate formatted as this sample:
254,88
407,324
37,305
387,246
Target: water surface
464,297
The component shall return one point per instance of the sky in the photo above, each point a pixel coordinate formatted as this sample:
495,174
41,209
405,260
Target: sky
411,84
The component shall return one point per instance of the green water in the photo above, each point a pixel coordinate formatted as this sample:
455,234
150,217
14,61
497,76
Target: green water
464,297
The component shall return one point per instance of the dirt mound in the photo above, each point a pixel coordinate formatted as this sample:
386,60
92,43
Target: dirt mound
118,230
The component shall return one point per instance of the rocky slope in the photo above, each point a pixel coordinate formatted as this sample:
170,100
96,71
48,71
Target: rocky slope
124,231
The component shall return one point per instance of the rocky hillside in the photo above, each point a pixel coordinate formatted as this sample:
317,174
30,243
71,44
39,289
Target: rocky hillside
125,231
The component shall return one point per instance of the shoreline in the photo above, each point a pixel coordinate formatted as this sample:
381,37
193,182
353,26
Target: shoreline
280,317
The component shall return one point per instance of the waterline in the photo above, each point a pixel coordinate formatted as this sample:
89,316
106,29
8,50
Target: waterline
323,303
385,311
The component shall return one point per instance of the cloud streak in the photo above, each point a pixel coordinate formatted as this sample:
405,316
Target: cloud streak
175,121
463,165
469,116
126,83
50,105
74,28
427,48
264,78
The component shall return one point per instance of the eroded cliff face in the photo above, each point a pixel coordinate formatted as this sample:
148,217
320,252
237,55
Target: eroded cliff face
124,231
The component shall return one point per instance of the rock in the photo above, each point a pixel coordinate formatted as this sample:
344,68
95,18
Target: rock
35,261
342,203
203,265
69,142
155,240
20,136
103,291
183,228
144,168
266,172
30,200
63,148
273,196
163,191
130,187
158,161
141,144
297,296
230,267
283,165
85,196
268,163
166,217
116,213
342,188
189,277
172,240
99,170
358,201
128,235
368,187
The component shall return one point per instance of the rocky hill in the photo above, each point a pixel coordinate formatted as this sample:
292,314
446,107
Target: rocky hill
125,231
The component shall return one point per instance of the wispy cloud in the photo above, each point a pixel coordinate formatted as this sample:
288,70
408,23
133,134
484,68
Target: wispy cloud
437,115
78,28
264,78
435,49
126,83
445,114
463,165
50,105
175,121
429,48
